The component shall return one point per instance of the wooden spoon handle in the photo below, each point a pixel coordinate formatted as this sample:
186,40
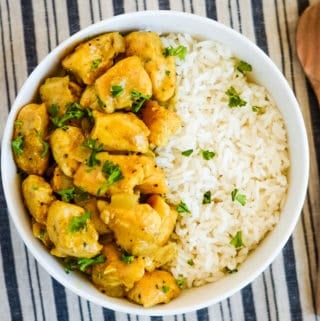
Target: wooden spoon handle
308,45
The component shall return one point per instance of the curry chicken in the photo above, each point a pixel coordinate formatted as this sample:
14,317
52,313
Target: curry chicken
86,153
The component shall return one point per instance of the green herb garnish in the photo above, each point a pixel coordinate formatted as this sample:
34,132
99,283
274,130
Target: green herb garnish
66,194
138,100
207,154
167,72
179,52
190,262
116,90
95,148
17,145
243,67
54,110
79,223
236,240
234,98
18,123
206,197
127,258
82,264
259,110
181,281
95,63
45,145
74,112
230,271
241,198
100,102
165,289
113,173
182,208
187,152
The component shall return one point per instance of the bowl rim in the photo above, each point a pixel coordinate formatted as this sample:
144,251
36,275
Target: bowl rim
37,76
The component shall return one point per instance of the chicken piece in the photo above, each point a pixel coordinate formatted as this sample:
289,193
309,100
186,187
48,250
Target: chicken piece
92,58
139,228
136,171
40,232
154,288
119,273
120,132
168,218
30,149
71,231
67,149
144,44
60,181
38,196
161,70
59,91
162,122
118,87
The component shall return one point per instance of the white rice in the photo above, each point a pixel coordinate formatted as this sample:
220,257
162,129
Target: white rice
251,154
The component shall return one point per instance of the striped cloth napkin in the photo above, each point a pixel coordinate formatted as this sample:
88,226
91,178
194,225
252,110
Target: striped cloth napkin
29,29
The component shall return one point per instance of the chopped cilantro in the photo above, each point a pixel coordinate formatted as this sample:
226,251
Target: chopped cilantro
95,63
236,240
74,112
17,145
66,194
100,102
258,109
181,281
190,262
187,152
54,110
113,173
167,72
138,100
182,208
116,90
206,198
79,223
82,264
234,98
207,155
241,198
18,123
92,144
165,289
230,271
179,52
45,145
127,258
243,67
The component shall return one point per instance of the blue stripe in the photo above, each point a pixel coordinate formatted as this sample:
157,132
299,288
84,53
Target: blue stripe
80,308
156,318
117,7
73,16
89,310
8,266
259,29
248,304
266,294
164,5
276,309
230,14
292,281
40,292
60,300
29,35
211,10
203,315
239,16
230,310
221,311
47,25
109,315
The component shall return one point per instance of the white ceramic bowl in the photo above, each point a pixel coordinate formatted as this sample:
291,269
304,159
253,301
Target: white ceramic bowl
265,73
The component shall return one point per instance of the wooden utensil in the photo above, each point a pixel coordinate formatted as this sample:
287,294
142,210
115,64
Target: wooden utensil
308,47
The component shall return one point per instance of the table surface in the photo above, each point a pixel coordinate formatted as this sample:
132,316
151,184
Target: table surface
286,290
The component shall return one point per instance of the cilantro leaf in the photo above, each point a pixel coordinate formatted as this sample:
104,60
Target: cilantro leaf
179,52
92,144
95,63
127,258
17,145
113,173
82,264
243,67
207,154
181,281
183,208
234,98
116,90
236,240
79,223
206,197
241,198
74,112
165,289
138,100
187,152
66,194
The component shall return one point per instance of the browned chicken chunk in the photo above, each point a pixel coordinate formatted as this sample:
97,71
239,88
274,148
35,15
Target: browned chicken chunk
161,70
71,231
119,273
120,132
162,122
154,288
92,58
38,196
119,87
30,149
